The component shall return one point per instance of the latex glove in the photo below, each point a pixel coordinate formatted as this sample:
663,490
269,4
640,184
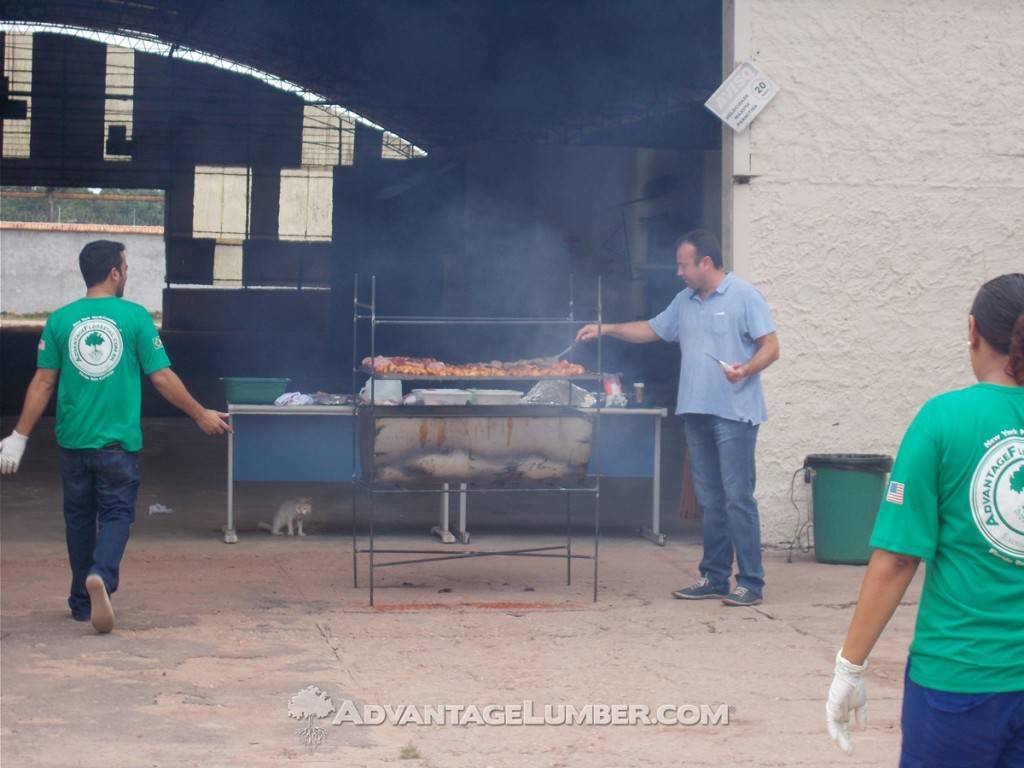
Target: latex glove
847,694
12,448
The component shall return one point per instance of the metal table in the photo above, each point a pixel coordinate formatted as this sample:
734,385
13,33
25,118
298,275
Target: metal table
313,443
289,443
630,446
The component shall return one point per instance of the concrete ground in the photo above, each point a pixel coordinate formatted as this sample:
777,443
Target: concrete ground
213,640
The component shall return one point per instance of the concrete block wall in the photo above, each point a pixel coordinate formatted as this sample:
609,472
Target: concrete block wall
887,185
39,264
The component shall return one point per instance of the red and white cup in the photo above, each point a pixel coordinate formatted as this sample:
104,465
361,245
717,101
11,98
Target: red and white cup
612,384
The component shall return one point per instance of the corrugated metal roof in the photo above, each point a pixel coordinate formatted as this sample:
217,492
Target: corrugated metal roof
452,72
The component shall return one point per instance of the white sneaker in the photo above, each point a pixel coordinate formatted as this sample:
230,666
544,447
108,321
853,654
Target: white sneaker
102,613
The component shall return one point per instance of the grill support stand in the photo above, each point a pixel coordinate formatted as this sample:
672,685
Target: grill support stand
442,530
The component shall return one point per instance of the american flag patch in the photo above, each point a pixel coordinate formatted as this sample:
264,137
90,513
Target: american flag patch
895,494
42,345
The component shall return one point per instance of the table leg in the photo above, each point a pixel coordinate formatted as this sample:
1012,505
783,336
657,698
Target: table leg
230,536
654,533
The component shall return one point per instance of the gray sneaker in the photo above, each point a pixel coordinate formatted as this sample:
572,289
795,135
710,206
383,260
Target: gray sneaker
742,596
702,590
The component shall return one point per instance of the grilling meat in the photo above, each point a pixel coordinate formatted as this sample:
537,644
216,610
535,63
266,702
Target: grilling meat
427,366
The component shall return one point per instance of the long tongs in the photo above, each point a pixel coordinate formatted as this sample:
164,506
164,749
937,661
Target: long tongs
554,358
564,352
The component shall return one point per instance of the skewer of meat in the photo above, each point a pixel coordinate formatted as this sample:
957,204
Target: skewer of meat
428,366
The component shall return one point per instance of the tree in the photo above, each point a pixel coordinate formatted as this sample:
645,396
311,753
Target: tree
95,341
1017,480
74,205
310,704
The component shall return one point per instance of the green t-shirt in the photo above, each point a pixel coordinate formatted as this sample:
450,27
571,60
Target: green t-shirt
98,346
956,500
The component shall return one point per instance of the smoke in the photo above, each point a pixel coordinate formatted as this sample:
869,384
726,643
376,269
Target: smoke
528,70
518,231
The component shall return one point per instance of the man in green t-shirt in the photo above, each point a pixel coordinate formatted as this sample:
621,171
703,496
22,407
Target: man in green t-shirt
92,350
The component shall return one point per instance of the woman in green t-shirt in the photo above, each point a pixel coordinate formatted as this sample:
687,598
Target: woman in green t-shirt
955,500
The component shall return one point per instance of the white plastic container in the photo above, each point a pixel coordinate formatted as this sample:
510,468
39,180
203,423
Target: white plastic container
442,396
496,396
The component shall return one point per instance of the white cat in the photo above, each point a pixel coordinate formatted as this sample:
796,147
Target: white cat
291,513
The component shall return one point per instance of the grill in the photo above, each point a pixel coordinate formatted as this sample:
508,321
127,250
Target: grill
519,448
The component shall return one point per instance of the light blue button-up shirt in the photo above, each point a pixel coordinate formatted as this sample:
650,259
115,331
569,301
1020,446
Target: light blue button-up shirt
726,325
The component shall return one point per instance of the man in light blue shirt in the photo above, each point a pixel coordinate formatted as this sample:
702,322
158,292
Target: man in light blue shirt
726,337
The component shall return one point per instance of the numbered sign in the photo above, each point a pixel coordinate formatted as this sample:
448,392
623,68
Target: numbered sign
742,96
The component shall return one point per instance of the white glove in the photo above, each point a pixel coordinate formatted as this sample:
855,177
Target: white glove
847,693
12,448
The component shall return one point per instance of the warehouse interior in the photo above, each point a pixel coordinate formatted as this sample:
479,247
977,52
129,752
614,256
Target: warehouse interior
472,156
477,159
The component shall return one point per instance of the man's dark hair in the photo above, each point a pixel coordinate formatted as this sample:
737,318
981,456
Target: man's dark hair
97,259
705,243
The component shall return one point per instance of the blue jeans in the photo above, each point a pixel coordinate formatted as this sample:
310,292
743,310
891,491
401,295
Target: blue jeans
722,461
100,487
961,730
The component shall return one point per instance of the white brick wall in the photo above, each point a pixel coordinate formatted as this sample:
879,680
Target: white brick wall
891,187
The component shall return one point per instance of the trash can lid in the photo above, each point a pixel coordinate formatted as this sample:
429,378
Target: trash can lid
850,462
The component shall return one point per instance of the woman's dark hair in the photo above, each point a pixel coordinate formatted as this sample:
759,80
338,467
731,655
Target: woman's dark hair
97,259
998,312
705,243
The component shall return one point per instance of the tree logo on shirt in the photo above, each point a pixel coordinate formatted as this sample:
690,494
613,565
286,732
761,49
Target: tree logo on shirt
997,496
95,347
1017,481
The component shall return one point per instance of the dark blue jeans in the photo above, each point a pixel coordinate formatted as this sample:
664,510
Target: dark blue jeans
961,730
100,487
722,460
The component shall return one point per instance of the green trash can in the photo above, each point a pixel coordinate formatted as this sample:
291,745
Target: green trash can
846,491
